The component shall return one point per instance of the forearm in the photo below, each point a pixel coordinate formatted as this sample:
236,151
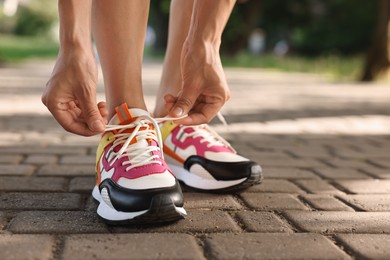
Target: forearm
209,18
75,24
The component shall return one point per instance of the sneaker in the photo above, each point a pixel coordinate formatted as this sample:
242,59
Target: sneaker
203,160
134,184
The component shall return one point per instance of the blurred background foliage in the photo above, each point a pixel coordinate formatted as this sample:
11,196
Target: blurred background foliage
332,37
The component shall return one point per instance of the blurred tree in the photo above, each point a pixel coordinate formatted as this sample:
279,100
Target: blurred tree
377,59
159,19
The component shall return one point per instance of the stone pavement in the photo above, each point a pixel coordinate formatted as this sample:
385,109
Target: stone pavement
324,148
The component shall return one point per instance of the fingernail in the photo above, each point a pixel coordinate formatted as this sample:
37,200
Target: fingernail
178,111
97,125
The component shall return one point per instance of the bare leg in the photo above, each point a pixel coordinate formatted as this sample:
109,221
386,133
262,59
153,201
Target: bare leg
119,31
179,23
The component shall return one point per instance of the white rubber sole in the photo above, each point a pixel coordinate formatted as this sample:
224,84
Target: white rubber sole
194,181
109,213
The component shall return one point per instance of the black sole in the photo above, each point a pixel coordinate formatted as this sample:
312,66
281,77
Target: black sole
161,210
253,179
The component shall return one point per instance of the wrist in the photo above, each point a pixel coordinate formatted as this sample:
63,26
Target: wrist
205,52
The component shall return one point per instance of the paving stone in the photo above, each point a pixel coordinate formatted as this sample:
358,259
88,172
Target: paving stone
82,184
10,159
344,173
265,222
370,202
378,173
16,169
26,246
271,201
331,222
197,221
85,159
385,163
326,202
351,154
367,246
210,201
33,149
40,201
311,152
271,246
41,159
343,163
277,186
3,220
286,173
57,222
318,187
67,170
366,186
41,184
132,246
299,163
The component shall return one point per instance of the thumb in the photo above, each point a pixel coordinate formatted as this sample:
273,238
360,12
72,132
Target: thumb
184,102
91,113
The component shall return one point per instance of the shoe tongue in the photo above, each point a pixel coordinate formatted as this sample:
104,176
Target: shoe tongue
126,115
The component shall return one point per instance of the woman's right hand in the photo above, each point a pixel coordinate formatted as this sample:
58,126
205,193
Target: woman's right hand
70,94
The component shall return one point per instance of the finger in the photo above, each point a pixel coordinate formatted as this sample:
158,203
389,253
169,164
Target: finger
67,120
185,101
103,111
89,108
201,114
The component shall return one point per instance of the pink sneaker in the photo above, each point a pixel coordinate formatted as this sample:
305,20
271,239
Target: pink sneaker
134,184
203,160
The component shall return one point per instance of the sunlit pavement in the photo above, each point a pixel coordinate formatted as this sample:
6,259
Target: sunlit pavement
324,148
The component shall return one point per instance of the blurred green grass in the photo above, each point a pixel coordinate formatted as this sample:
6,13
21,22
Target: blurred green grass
335,67
345,68
17,48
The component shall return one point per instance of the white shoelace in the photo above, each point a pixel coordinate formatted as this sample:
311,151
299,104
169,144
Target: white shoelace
207,134
140,153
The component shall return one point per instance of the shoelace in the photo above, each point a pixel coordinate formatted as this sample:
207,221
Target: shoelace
207,134
139,153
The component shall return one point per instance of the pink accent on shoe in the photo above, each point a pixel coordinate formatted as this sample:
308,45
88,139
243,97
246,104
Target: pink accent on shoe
201,147
137,172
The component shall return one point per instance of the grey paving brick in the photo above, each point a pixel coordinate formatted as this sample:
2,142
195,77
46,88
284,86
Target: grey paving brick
82,184
26,246
343,173
264,222
16,169
33,149
72,159
366,186
288,173
371,202
197,221
318,187
311,152
10,159
331,222
132,246
40,201
57,222
367,246
343,163
271,201
32,184
326,202
3,220
210,201
299,163
41,159
271,246
67,170
277,186
385,163
378,173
